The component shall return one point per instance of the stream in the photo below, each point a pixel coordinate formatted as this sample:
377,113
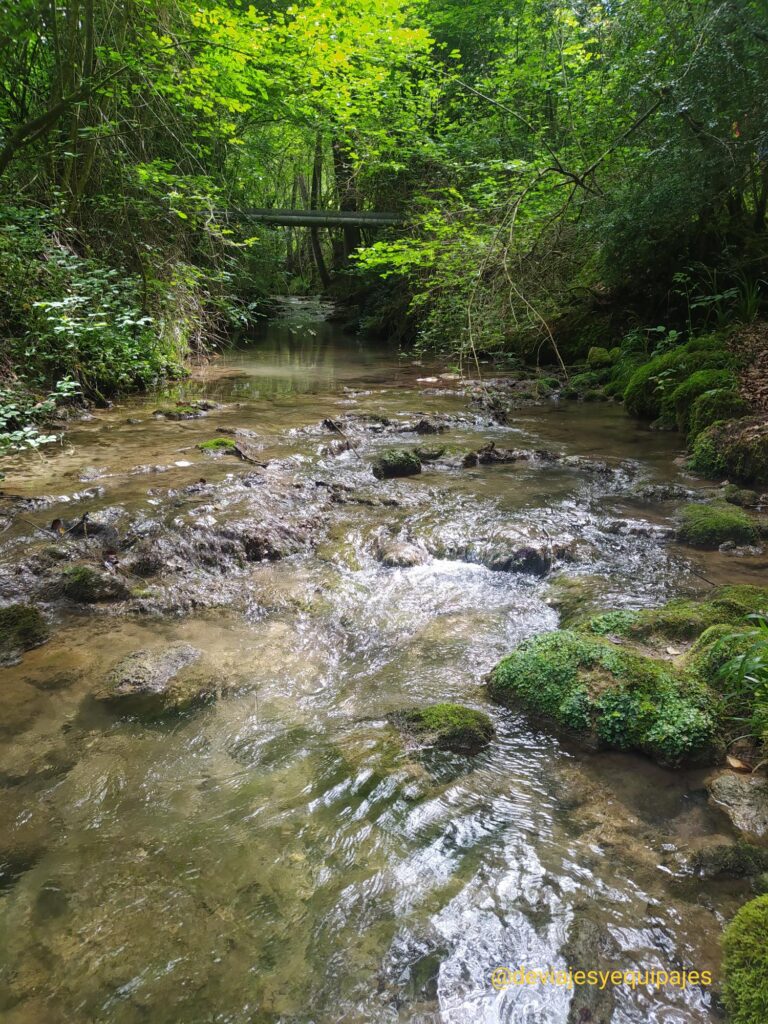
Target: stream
280,856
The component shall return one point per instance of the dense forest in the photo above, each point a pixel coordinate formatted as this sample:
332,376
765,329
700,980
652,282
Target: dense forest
577,194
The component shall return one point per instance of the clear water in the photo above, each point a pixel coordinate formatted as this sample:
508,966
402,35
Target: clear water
279,856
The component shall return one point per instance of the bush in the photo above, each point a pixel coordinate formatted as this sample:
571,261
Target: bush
745,964
709,526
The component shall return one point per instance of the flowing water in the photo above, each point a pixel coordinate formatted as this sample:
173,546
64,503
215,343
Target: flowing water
280,856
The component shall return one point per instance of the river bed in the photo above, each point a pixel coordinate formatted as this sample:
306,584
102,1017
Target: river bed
280,857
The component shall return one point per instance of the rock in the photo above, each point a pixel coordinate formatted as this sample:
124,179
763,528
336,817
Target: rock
598,357
219,446
735,448
396,462
401,555
425,425
85,585
709,526
590,947
22,627
730,860
744,798
154,682
430,453
741,496
605,695
26,833
180,411
447,727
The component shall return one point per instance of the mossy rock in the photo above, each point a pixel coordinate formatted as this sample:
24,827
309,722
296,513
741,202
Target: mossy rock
394,462
22,627
737,449
88,586
745,964
709,526
430,452
676,407
153,683
180,412
741,496
739,860
609,696
649,382
714,406
598,356
547,385
447,727
219,444
682,619
716,646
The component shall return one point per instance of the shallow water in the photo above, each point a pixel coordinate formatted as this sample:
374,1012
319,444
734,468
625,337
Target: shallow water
279,856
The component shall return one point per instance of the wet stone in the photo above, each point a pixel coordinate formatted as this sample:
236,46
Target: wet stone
156,682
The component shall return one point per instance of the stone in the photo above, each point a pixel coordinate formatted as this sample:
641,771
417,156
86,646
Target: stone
154,682
744,798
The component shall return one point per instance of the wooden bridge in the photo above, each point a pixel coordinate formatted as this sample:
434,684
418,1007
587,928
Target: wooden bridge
312,218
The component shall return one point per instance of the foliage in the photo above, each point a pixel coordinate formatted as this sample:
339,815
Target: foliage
653,381
745,675
745,964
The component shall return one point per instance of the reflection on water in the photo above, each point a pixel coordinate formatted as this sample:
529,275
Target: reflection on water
279,856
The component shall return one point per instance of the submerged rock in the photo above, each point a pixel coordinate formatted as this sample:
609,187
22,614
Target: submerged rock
744,798
447,727
398,554
154,682
730,860
22,627
396,462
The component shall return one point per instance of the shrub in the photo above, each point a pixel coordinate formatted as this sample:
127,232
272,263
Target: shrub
745,964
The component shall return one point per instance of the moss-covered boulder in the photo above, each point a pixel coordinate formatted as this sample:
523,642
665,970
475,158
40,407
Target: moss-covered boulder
709,526
598,356
394,462
650,382
22,627
681,620
741,496
447,727
677,404
737,449
730,860
745,964
86,585
610,696
220,445
180,412
712,406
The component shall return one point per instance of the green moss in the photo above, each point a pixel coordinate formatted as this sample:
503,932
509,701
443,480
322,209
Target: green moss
86,585
21,627
680,619
737,449
546,385
394,462
430,453
740,860
740,496
218,444
712,406
621,699
598,356
717,645
650,382
450,726
745,964
676,406
709,526
179,412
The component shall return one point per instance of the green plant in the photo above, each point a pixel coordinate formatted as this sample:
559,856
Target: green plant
745,676
745,964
